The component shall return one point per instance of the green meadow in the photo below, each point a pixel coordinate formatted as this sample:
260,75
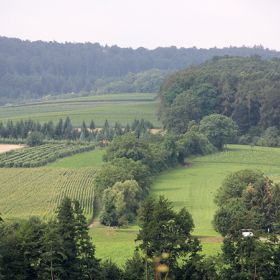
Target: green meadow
123,108
194,187
82,160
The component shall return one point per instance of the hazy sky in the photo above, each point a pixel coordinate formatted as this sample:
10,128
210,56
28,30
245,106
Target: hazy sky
147,23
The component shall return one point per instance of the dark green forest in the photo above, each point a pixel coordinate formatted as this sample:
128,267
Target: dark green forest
31,70
244,89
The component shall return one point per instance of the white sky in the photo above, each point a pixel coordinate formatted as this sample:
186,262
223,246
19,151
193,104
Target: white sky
147,23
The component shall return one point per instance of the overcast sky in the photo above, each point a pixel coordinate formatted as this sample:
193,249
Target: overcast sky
147,23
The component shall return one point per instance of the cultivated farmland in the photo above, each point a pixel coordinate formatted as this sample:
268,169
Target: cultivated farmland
29,192
123,108
41,155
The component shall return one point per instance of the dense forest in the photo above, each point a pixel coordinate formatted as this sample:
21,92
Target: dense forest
245,89
34,69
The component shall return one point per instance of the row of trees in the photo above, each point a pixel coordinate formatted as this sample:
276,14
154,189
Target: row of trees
132,161
245,89
124,180
62,249
58,249
64,130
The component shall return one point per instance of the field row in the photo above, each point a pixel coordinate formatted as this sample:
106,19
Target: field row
121,111
41,155
29,192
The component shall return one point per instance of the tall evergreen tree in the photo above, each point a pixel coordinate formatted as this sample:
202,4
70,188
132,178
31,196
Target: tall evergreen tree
88,265
67,230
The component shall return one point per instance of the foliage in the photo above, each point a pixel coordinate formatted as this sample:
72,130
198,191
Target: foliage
218,129
109,270
245,89
246,199
194,143
34,69
42,155
164,231
35,139
120,203
35,132
249,258
128,146
270,138
60,249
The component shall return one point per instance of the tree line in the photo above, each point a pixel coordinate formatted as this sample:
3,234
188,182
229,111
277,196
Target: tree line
30,70
35,132
166,249
131,162
245,89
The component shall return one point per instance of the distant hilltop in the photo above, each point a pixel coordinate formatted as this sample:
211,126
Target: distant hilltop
31,70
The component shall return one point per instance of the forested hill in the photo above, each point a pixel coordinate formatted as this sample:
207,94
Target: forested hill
34,69
245,89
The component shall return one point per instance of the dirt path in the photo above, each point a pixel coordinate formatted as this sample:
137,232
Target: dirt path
94,223
8,147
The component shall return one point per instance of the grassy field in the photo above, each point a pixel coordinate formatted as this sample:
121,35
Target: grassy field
123,108
193,187
82,160
26,192
38,191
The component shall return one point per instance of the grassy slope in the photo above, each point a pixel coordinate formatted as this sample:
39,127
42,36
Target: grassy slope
87,159
193,187
123,108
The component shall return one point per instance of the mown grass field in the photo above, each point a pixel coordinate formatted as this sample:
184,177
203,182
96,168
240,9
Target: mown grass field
123,108
82,160
29,192
194,187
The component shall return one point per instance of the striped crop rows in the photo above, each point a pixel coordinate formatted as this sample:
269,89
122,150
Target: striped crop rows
29,192
41,155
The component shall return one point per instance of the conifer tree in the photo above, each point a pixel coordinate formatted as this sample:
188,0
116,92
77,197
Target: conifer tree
88,264
67,230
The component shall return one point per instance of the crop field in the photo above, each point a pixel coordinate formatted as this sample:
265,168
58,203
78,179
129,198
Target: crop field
194,187
41,155
123,108
29,192
91,159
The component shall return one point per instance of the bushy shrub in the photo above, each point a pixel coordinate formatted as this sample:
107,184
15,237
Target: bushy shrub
35,139
194,143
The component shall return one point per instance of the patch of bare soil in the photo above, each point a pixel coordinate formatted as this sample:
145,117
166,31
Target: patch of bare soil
211,239
95,223
4,148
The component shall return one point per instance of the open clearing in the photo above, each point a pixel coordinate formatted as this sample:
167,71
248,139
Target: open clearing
121,108
4,148
29,192
193,187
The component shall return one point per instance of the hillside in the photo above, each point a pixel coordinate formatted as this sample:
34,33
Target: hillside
123,108
194,187
29,70
245,89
